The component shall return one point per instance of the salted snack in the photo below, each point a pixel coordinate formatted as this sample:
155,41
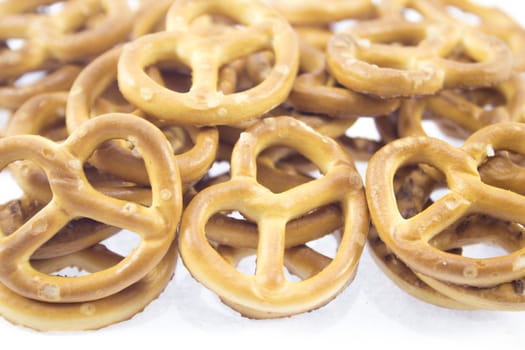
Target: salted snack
268,293
261,28
100,75
316,91
54,36
410,239
393,57
465,111
96,314
73,197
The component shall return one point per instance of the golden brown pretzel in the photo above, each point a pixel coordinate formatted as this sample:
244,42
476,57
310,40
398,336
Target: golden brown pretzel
392,57
55,36
316,91
261,29
96,78
268,294
74,197
467,195
45,316
490,20
463,110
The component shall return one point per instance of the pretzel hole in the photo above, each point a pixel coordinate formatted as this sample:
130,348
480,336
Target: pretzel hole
443,129
326,245
463,16
111,100
248,264
51,9
480,236
123,242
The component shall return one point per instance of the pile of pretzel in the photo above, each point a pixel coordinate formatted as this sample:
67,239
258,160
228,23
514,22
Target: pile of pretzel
121,112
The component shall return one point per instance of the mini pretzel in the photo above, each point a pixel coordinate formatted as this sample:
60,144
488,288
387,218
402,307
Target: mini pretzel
203,104
456,106
61,79
492,21
89,86
268,294
96,314
53,36
368,58
314,90
408,238
74,197
314,12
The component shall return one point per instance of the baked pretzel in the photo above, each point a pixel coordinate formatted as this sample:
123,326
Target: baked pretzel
203,104
316,91
73,197
392,57
463,109
268,293
489,19
91,83
96,314
54,36
468,195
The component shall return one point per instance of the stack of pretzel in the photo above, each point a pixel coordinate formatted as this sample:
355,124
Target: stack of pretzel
120,113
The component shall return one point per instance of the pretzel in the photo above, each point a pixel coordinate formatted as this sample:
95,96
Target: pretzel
468,195
315,90
268,294
87,89
53,37
96,314
490,20
13,95
456,106
312,12
74,197
368,58
203,104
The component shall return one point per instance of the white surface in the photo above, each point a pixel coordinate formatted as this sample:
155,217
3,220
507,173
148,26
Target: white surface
372,311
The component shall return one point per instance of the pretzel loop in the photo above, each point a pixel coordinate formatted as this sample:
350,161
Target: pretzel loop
74,197
365,60
468,195
203,104
268,293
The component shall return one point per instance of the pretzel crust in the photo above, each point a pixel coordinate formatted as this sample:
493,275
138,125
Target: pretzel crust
203,104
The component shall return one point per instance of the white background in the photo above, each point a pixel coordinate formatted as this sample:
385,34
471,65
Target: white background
372,311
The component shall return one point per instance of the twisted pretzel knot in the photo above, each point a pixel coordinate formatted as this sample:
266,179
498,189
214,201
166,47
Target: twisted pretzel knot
268,293
73,196
203,104
468,194
369,59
